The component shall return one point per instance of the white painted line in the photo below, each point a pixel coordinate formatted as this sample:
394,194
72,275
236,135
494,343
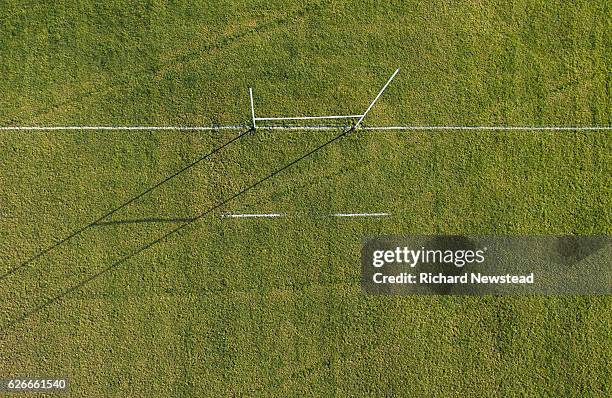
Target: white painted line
120,128
377,97
311,117
305,128
446,128
277,215
361,214
492,128
270,215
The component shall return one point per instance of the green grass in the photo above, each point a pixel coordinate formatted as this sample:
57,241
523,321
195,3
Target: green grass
274,307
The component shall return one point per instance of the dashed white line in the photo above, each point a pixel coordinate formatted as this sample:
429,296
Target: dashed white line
269,215
361,214
277,215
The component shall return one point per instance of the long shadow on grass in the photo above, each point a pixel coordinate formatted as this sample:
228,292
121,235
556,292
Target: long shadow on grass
347,165
124,259
142,221
50,248
307,182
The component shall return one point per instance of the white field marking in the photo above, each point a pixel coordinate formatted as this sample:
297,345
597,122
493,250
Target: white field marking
377,97
310,117
361,214
447,128
492,128
120,128
305,128
268,215
277,215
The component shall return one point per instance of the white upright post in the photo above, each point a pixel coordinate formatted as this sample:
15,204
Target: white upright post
252,108
377,97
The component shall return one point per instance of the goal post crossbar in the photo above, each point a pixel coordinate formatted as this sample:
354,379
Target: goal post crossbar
310,117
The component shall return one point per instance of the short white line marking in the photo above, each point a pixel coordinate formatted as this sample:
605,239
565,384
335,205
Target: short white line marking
276,215
270,215
361,214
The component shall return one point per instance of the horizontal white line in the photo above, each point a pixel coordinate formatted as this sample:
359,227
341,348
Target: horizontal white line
120,128
270,215
306,128
276,215
491,128
310,117
361,214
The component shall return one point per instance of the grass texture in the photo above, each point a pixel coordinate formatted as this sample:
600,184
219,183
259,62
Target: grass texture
273,307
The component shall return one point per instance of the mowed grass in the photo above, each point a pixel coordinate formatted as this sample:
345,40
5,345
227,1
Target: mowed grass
273,307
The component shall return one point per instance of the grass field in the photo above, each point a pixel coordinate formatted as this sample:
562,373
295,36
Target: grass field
273,307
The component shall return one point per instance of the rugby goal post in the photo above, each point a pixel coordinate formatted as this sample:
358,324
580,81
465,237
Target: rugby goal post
359,117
